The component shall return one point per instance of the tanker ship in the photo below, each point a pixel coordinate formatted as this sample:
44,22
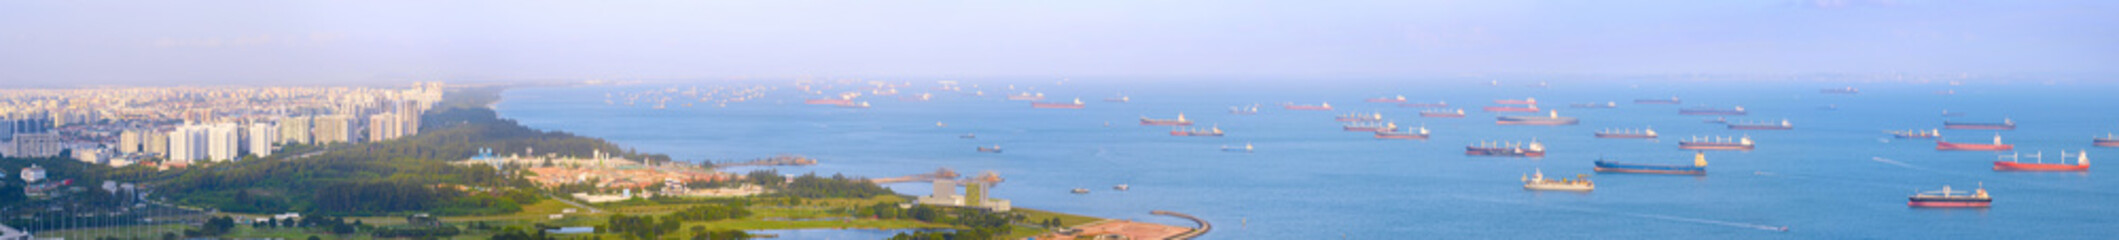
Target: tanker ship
1370,127
1762,126
2006,124
1420,134
1627,133
1553,119
1930,133
1077,104
1947,198
1717,143
1737,111
2106,141
1698,167
1534,149
2082,163
1434,114
1180,121
1941,145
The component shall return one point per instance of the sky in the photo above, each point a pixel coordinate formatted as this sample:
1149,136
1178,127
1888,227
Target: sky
59,43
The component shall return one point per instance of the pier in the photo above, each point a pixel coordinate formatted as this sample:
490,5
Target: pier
1202,230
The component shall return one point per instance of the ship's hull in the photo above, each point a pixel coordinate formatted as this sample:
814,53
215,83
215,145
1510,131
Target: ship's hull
1615,167
1367,129
1513,101
1387,135
989,150
1912,136
1511,109
1441,115
1978,126
2039,167
2101,142
1423,105
827,101
1950,146
1156,122
1624,135
1357,119
1714,146
1056,105
1194,134
1501,152
1948,202
1536,121
1712,112
1559,187
1760,127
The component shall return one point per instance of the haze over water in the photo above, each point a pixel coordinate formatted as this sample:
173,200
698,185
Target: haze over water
1836,175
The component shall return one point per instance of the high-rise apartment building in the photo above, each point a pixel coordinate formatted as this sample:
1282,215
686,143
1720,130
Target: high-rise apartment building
259,138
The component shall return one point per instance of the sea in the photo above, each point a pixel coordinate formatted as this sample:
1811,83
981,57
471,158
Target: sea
1836,175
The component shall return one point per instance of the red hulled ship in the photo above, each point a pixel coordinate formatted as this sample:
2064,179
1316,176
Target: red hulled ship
1180,121
1077,104
1941,145
2082,163
1526,108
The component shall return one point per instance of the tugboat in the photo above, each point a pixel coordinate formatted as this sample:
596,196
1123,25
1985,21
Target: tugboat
2106,141
995,149
1534,149
1357,117
1319,107
1594,105
1253,110
1751,126
1946,198
1420,134
1930,133
1538,182
1737,111
1553,119
1370,127
1399,99
1698,167
1525,101
1077,104
1627,133
1214,131
1717,143
2005,124
1941,145
1526,108
2082,163
1436,104
1846,90
1434,114
1672,100
1180,121
1245,149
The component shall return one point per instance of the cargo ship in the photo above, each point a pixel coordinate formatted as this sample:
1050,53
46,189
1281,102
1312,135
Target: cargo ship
1627,133
1433,114
1525,101
1941,145
1528,108
1717,143
1245,149
995,149
1319,107
1214,131
827,101
1672,100
1595,105
1698,167
1947,198
1244,111
1930,133
1026,96
2106,141
1762,126
2006,124
1119,99
1370,127
1436,104
854,105
1399,99
1538,182
2082,163
1534,149
1845,90
1420,134
1077,104
1738,111
1180,121
1553,119
1358,117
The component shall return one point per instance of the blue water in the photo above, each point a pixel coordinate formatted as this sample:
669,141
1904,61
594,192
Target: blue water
1836,175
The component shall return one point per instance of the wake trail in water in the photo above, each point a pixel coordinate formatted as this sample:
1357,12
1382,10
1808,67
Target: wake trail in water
1634,214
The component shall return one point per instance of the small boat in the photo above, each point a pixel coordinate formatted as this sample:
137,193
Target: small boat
1358,117
1180,121
1121,187
1672,100
1319,107
995,149
1930,133
1214,131
1420,134
1737,111
2082,163
1757,126
1528,108
1439,114
1595,105
1436,104
1538,182
1698,167
1627,133
1946,198
2006,124
1253,110
1845,90
1370,127
1077,104
1245,149
1399,99
1534,149
1717,143
1553,119
1941,145
1080,191
1525,101
2106,141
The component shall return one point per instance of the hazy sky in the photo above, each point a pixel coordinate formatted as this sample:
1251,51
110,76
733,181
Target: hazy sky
204,42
